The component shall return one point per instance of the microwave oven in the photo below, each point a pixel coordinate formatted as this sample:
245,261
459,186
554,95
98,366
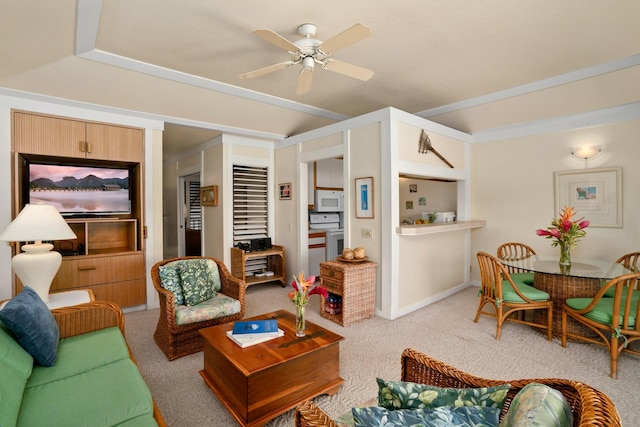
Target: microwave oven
329,201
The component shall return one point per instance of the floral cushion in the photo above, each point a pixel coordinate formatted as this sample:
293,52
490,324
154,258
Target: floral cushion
407,395
170,280
197,283
466,416
538,405
218,306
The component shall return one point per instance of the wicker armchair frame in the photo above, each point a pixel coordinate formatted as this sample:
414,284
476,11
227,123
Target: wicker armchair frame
590,407
180,340
93,316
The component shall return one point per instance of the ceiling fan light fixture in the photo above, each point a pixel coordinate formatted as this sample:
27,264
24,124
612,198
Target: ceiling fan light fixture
308,63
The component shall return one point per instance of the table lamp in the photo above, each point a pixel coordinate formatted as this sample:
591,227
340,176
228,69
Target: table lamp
38,264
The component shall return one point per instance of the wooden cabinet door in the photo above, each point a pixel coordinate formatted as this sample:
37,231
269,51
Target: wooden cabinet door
35,134
109,142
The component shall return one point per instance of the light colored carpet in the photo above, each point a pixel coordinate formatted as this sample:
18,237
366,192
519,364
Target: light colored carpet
444,330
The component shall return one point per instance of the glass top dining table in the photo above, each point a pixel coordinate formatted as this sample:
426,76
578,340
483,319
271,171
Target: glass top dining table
585,268
582,279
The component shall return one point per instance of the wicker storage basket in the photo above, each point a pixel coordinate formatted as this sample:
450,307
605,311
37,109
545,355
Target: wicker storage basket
356,284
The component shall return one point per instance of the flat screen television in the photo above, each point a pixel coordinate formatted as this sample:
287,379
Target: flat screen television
77,189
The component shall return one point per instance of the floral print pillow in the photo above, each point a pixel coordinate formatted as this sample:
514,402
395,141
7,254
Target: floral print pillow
538,405
197,283
446,416
406,395
170,280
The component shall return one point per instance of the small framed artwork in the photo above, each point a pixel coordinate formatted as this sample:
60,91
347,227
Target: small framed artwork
422,201
209,195
596,195
364,197
413,188
285,191
408,204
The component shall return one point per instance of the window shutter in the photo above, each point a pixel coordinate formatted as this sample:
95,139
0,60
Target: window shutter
195,209
250,210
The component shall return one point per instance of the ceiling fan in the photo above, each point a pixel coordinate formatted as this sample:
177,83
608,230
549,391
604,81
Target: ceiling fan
308,52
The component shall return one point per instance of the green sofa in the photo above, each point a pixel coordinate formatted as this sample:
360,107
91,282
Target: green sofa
94,380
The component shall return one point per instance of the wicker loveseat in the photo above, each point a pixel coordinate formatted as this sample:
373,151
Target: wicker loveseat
94,380
589,406
177,339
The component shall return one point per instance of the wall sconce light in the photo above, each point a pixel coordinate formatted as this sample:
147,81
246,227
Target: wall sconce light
586,153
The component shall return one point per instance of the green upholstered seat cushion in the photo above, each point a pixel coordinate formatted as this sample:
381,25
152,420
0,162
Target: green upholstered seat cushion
33,325
522,278
13,354
170,280
538,405
219,305
82,353
12,385
603,310
15,368
105,396
509,295
463,416
408,395
197,281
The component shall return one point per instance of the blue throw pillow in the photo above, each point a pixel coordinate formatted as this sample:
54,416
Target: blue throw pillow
464,416
35,328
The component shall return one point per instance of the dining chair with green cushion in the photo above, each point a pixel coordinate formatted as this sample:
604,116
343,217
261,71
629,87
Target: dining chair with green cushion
507,297
613,319
515,251
630,262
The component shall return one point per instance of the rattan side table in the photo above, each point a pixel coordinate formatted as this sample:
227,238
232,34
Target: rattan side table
355,282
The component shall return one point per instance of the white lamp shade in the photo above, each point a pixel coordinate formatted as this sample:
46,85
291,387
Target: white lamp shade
37,223
37,265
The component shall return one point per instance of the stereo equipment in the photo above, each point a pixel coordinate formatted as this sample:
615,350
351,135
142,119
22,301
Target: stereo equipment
261,244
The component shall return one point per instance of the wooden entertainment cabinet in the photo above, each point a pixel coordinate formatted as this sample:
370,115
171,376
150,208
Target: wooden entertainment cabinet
108,254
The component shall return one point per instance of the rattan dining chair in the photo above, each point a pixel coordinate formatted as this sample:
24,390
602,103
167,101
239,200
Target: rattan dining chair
515,251
630,261
508,298
616,332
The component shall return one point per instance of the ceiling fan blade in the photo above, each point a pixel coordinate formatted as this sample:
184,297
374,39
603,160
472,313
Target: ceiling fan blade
304,81
350,70
276,39
266,70
346,38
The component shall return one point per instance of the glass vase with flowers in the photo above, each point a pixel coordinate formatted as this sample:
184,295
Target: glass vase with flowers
565,233
302,290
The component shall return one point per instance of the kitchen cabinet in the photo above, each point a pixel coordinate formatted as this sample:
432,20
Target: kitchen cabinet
68,137
317,251
329,174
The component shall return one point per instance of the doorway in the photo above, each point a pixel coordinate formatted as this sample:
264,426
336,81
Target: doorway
191,212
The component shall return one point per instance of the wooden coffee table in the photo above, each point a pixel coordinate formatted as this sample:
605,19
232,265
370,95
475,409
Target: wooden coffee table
260,382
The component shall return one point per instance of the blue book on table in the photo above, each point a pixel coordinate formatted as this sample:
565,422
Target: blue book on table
268,326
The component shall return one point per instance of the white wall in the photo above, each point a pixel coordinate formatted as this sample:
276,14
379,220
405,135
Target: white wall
513,189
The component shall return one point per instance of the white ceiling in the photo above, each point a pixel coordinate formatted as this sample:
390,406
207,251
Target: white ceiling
485,67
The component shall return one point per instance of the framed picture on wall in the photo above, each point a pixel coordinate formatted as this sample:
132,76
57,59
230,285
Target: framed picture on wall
209,195
596,195
285,191
364,197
